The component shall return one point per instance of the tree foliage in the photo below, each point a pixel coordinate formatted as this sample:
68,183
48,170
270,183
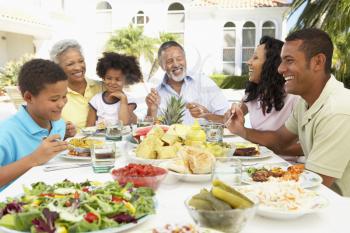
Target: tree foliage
332,16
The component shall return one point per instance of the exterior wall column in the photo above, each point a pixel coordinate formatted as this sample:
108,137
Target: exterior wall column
238,55
41,47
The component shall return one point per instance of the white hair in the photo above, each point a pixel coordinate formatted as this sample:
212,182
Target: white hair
62,46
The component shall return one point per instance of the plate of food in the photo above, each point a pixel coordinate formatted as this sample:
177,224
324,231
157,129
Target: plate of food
268,172
79,147
95,131
250,151
284,200
57,207
193,165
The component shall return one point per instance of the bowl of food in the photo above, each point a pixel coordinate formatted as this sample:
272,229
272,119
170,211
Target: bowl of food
141,175
222,208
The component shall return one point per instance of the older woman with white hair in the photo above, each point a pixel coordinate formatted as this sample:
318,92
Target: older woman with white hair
69,56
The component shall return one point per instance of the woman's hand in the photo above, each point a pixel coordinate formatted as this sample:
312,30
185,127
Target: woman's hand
234,120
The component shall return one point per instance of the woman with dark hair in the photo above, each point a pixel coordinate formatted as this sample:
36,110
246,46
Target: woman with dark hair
265,99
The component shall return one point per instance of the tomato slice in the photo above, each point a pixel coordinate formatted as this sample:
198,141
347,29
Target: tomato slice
90,217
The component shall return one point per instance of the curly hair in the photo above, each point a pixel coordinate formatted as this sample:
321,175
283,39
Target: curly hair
127,64
62,46
270,90
37,73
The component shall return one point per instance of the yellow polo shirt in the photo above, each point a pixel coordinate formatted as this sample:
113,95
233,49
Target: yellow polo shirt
77,107
324,133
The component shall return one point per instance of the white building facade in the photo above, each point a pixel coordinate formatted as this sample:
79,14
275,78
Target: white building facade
219,36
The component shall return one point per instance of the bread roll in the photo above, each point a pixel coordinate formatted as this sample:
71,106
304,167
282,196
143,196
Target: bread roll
198,160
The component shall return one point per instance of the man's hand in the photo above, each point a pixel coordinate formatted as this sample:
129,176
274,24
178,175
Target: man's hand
234,120
153,100
197,110
70,130
50,147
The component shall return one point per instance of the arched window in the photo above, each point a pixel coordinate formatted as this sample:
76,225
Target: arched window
176,20
268,29
248,44
104,17
228,53
140,19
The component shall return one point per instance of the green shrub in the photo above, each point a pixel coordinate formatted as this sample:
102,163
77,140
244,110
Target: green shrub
229,81
9,73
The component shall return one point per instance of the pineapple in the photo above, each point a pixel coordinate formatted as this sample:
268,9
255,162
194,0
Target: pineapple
173,112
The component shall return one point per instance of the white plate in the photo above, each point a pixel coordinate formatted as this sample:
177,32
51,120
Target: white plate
108,230
133,158
186,177
264,153
65,155
161,229
318,204
191,177
273,203
307,179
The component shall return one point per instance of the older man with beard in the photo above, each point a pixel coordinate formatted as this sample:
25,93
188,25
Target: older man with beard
202,96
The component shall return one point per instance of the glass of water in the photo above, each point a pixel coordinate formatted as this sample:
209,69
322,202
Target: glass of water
214,132
146,121
115,131
228,170
103,155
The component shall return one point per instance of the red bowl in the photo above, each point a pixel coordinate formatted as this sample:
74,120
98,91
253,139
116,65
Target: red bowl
151,181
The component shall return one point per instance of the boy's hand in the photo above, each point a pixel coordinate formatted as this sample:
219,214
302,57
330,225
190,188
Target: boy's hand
70,130
50,146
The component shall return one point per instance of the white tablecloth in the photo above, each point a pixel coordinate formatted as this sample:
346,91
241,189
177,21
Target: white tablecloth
172,194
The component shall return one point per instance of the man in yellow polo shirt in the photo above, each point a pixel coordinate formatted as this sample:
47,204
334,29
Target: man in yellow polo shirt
321,118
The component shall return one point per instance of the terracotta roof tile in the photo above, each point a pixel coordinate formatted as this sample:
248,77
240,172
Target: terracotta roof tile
241,3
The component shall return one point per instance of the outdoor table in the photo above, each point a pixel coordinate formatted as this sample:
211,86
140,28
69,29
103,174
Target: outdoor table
172,193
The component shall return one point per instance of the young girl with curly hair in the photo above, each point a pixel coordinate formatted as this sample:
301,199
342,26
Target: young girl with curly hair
116,70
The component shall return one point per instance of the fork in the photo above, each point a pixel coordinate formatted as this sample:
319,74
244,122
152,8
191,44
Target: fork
65,166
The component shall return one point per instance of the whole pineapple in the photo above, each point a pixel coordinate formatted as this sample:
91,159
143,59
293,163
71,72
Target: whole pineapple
174,111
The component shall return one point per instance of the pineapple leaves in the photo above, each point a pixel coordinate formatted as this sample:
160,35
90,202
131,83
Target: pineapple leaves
173,112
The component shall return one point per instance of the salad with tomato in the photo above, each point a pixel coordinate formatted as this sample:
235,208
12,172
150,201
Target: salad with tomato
76,207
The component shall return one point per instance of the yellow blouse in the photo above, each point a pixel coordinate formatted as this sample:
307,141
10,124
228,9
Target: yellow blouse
77,107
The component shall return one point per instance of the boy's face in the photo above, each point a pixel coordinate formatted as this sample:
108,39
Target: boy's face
48,104
114,80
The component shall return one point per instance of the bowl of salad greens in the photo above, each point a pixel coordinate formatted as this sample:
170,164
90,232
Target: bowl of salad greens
77,207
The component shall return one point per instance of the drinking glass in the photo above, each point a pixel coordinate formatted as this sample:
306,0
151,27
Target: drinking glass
214,132
228,170
103,154
114,131
146,121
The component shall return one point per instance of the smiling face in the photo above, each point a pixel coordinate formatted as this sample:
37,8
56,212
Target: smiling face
173,61
255,64
48,104
295,69
73,64
114,80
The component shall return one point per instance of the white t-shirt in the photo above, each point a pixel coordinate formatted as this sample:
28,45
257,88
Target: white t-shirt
107,111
